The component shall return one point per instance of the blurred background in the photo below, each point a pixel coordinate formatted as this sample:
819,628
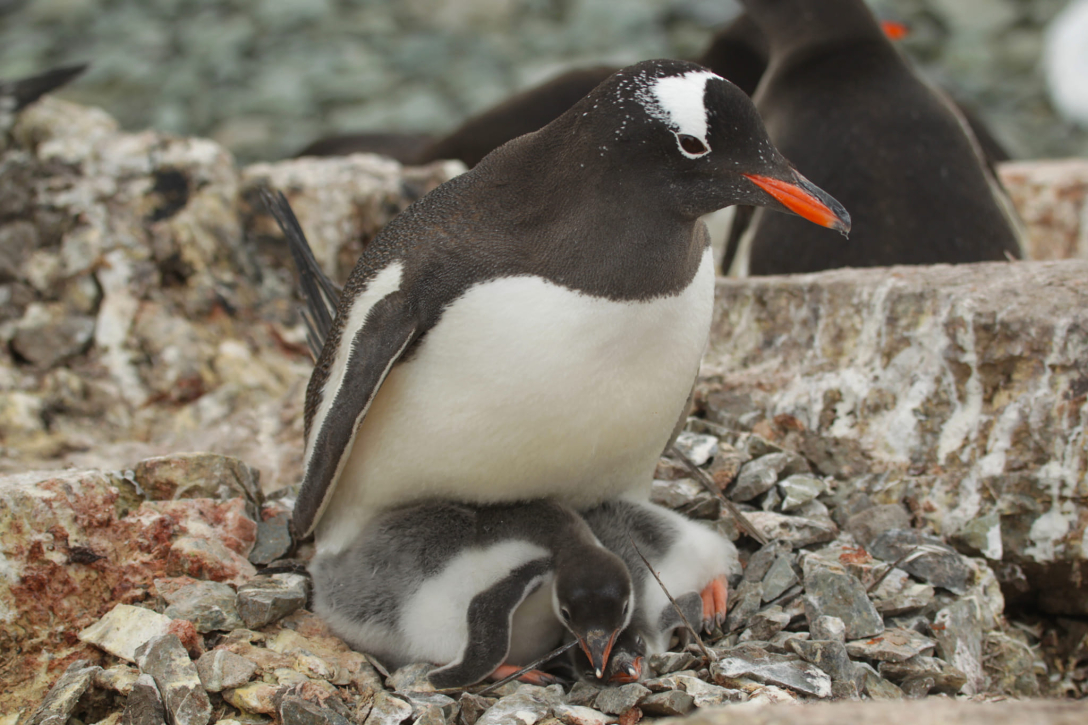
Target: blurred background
266,77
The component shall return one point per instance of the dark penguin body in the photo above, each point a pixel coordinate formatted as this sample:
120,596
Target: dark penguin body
533,328
471,588
843,104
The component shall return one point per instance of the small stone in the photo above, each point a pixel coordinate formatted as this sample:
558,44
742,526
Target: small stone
204,558
585,693
618,700
411,677
682,493
759,475
828,655
766,624
123,629
422,701
517,709
939,565
778,579
940,675
197,475
266,599
49,334
255,698
667,662
62,699
144,704
221,670
892,645
273,539
698,447
165,659
869,524
208,605
1010,664
297,711
119,678
876,686
473,706
763,559
912,597
703,693
981,537
579,715
828,627
798,489
756,446
780,670
797,531
749,598
959,641
831,590
668,704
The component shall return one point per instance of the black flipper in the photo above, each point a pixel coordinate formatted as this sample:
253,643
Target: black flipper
318,291
489,625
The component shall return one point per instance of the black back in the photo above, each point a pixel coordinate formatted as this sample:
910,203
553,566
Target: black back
403,147
843,105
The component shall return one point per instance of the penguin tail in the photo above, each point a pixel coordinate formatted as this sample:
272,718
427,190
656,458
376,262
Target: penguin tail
27,90
318,292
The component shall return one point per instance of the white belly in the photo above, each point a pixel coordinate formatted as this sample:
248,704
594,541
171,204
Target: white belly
526,390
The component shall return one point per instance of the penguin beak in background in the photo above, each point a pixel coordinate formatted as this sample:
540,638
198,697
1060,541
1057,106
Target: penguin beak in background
894,29
806,200
597,644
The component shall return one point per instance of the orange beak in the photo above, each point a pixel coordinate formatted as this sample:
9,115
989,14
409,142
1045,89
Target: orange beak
894,29
806,200
597,645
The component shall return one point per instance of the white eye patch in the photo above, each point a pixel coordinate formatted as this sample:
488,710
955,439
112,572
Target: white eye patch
677,101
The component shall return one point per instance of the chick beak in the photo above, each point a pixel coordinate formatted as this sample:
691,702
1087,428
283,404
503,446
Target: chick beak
631,672
597,644
806,200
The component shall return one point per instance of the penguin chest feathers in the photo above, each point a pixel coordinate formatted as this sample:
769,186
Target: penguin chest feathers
526,389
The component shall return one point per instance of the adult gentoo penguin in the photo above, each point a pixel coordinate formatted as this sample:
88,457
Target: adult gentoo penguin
841,102
473,587
533,328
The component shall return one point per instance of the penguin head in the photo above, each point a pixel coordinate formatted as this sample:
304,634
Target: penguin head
593,597
700,140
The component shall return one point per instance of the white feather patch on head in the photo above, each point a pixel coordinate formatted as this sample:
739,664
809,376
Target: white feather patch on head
677,101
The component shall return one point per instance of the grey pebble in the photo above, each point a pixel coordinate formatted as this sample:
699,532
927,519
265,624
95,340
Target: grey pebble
221,670
208,605
144,704
778,578
273,539
891,645
183,695
266,599
297,711
941,565
62,699
828,627
668,704
618,700
831,590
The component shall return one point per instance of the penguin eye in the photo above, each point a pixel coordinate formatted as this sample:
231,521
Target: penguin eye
692,145
565,614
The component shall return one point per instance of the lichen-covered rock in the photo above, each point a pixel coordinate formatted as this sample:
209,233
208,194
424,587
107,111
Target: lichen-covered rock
124,629
183,696
967,384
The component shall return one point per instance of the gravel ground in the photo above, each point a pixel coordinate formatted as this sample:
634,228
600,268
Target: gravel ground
265,77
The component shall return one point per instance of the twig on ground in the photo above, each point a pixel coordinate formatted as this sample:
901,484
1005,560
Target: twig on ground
915,553
738,516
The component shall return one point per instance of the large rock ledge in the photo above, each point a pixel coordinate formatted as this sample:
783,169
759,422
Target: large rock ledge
963,387
931,712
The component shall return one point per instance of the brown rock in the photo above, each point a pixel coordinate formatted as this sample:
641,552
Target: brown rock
1052,200
933,711
197,475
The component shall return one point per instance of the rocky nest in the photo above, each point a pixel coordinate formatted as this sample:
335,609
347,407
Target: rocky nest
847,600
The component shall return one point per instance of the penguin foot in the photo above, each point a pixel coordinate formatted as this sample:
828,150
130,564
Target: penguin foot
715,598
533,677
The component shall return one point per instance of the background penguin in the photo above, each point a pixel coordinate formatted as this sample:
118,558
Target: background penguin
471,588
843,104
690,558
533,327
16,95
402,147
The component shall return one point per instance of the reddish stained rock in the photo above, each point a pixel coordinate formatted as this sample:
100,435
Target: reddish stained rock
190,638
51,523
